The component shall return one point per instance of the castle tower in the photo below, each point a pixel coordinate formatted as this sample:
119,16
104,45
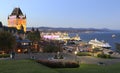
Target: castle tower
17,19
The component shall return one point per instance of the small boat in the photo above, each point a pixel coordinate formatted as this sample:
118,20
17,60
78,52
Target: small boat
113,36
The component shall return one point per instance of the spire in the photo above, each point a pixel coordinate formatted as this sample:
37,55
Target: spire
17,11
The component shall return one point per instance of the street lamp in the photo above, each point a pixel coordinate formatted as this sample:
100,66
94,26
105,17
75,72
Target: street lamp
75,56
75,52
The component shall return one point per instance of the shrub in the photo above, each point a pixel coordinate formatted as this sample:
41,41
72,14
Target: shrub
83,54
61,57
103,56
58,64
55,57
71,64
58,57
4,55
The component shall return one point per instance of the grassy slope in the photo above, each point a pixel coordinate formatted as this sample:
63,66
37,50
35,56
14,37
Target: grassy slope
84,68
23,66
28,66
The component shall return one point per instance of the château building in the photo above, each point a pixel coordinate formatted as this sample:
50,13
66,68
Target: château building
17,19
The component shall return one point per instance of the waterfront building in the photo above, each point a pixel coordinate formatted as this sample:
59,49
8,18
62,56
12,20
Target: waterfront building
77,38
55,36
17,19
23,46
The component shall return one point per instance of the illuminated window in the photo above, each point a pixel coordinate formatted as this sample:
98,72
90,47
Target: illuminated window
25,43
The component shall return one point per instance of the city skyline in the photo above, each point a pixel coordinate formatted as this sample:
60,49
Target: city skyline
66,13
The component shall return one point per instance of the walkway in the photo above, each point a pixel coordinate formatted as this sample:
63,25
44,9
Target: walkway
67,56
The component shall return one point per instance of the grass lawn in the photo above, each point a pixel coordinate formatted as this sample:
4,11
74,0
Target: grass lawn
23,66
29,66
90,68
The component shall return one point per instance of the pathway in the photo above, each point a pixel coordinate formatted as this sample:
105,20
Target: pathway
67,56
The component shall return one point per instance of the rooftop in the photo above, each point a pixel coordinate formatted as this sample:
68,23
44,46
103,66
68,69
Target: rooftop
16,11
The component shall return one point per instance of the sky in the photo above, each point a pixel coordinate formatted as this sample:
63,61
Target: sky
65,13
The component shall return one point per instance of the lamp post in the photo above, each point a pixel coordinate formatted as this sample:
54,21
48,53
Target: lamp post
93,47
75,56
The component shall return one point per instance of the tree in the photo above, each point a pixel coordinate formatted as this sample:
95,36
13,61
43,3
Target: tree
35,37
7,41
50,48
33,29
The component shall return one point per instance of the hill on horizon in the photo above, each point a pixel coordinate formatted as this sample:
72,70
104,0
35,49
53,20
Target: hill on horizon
70,29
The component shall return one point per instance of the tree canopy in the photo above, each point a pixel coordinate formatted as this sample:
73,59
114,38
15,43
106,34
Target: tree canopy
34,36
7,41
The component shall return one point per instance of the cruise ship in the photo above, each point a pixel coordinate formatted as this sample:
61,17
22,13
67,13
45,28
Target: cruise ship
97,43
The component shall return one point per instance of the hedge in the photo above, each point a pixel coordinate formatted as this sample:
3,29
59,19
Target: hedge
4,55
58,64
83,54
103,56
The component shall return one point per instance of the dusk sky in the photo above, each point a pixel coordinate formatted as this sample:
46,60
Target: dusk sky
65,13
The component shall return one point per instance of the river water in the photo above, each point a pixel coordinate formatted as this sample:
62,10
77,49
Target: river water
106,36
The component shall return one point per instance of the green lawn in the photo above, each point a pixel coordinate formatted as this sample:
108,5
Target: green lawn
29,66
89,68
23,66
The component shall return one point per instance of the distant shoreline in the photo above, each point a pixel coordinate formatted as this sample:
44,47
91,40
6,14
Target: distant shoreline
70,30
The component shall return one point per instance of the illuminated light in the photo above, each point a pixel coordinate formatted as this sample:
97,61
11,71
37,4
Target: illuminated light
19,50
35,45
93,47
75,52
3,52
